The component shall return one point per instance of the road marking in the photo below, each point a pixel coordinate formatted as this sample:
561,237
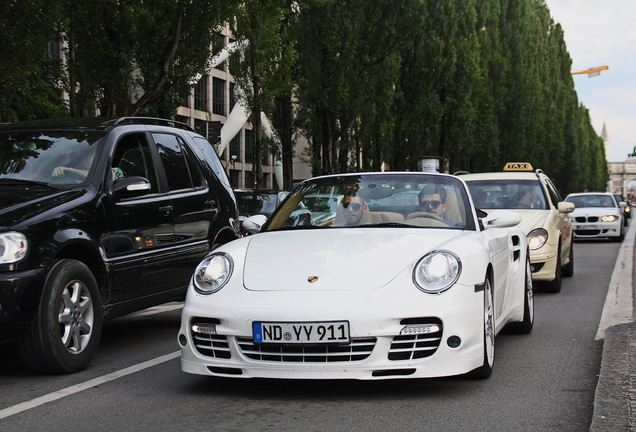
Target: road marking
33,403
618,307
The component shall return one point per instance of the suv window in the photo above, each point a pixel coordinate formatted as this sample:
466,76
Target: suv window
181,171
133,158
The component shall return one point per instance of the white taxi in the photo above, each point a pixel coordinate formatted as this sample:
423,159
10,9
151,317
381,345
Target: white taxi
544,217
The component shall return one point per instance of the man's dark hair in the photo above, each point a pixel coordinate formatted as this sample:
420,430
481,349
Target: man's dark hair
432,189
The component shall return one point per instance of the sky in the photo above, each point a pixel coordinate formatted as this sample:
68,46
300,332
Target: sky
597,33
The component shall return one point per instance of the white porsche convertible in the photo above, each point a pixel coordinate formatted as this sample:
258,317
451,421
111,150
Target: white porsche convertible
388,275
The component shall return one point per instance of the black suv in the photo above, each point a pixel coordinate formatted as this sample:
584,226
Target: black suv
99,218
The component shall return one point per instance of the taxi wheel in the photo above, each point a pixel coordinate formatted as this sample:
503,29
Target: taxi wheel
554,286
485,370
66,332
568,269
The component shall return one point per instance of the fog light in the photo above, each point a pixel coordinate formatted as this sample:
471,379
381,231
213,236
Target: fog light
454,341
209,329
420,329
183,340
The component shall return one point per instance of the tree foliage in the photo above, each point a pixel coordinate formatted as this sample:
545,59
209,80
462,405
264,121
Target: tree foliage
370,84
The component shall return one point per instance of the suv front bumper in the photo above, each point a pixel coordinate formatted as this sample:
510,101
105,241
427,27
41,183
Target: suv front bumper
20,293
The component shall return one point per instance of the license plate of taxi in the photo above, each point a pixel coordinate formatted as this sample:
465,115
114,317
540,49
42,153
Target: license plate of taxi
301,332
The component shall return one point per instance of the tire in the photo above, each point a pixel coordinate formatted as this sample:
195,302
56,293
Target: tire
620,237
554,286
525,327
485,370
66,332
568,269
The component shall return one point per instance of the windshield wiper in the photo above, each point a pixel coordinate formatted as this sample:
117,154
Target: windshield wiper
7,180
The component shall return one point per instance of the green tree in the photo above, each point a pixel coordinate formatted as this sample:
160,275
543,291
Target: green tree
131,57
30,85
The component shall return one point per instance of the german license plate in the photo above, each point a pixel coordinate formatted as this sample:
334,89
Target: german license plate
586,227
301,332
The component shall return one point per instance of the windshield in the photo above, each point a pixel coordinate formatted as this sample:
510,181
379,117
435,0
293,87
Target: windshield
253,203
591,201
507,194
379,199
47,157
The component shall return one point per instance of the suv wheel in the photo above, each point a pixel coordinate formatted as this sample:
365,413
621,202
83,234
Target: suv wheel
66,332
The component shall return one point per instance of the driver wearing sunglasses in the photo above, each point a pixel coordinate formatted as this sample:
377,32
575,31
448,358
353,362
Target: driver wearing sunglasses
433,200
354,209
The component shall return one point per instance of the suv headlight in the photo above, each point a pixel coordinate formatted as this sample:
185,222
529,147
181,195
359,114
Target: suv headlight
13,247
609,218
537,238
437,271
213,273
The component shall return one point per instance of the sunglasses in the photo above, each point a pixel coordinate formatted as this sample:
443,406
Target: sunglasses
434,204
354,206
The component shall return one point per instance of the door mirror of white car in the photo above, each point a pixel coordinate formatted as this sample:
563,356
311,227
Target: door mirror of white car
501,219
565,207
254,223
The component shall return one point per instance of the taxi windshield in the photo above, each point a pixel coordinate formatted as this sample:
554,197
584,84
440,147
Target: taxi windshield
376,200
507,194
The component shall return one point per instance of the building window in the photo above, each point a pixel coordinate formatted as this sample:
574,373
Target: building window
218,45
265,161
218,96
235,176
235,147
249,146
201,94
232,97
249,179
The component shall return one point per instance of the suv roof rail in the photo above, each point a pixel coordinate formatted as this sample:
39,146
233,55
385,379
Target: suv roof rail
153,121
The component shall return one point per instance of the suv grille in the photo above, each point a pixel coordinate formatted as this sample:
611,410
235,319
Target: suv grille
356,350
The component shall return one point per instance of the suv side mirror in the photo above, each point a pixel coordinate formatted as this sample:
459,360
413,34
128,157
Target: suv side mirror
129,187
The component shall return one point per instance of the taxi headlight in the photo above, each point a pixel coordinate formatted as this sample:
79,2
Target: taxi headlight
609,218
213,273
13,247
437,271
537,238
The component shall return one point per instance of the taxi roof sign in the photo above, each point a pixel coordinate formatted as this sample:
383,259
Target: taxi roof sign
518,166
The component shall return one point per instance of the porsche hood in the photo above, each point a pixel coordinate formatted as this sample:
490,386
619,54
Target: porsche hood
348,259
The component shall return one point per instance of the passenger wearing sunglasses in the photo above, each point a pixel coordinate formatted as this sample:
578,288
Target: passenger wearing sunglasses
354,209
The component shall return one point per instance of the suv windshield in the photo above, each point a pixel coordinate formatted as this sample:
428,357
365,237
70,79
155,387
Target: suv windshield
47,157
591,201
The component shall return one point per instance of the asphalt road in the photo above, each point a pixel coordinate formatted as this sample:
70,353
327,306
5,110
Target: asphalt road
544,381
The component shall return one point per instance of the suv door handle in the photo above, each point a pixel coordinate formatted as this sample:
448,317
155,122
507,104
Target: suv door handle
210,202
165,210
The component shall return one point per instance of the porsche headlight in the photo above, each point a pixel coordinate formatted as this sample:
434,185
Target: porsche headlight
13,247
537,238
437,271
213,273
609,218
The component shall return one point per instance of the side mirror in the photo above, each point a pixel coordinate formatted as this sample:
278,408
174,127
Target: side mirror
565,207
129,187
254,223
501,219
